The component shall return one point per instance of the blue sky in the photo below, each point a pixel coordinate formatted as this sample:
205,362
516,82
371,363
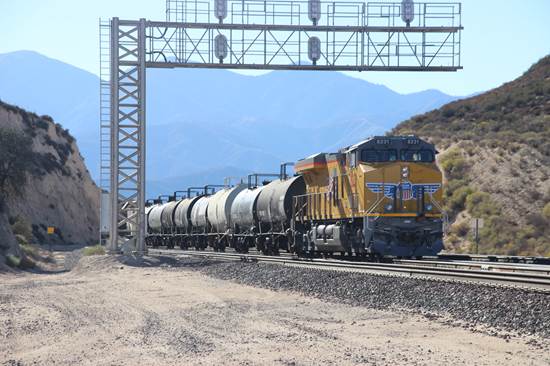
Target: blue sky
500,41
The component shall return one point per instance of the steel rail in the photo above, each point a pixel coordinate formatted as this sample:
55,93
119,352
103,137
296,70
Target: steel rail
513,278
484,266
513,259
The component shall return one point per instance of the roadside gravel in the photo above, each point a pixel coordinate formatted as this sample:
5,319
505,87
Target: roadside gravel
501,308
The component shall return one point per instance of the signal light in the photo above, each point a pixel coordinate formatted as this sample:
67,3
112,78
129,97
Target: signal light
314,49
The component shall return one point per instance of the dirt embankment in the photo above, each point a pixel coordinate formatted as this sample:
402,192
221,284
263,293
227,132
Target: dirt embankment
58,192
159,312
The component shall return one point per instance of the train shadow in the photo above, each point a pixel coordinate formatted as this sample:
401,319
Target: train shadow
161,261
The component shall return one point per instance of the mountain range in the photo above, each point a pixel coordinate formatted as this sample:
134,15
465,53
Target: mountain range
202,124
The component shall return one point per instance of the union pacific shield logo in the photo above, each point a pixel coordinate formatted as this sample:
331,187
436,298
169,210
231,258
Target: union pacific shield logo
408,190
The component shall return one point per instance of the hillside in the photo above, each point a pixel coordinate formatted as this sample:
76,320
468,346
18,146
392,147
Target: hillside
250,122
495,153
54,187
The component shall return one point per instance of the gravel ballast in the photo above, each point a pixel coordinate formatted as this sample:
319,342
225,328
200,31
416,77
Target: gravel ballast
500,308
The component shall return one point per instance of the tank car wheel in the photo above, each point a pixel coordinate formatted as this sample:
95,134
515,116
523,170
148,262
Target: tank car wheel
260,244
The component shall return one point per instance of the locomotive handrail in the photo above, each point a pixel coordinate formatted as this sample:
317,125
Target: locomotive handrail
372,208
300,209
314,194
445,216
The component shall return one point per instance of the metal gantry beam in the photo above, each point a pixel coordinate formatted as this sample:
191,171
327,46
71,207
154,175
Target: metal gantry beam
256,34
127,134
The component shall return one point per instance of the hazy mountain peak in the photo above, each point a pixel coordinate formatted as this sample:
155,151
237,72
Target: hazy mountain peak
201,119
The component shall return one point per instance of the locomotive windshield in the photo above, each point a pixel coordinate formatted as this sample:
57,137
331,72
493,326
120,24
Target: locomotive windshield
425,156
389,155
378,156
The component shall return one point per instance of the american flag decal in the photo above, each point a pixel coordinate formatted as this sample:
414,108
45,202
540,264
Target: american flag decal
406,190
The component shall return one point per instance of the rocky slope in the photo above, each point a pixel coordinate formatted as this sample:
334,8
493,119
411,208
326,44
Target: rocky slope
58,191
495,153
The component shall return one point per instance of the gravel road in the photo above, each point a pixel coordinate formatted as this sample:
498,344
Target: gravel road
162,312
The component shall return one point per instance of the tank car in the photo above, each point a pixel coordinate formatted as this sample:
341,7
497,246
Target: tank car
183,223
245,219
200,226
274,212
219,217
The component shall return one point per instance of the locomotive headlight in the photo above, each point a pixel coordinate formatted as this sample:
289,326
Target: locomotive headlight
388,207
429,207
405,172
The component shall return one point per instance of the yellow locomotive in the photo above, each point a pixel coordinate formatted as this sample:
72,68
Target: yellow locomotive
380,197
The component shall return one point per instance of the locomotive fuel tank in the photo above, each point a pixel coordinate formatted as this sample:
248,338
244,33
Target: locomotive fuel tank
274,203
182,215
219,208
199,212
243,209
330,238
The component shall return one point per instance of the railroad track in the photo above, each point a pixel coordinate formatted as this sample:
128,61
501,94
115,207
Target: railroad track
499,274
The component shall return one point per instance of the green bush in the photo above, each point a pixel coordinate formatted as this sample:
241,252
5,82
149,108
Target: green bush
16,160
94,250
13,261
546,211
480,204
23,228
458,199
29,249
453,164
21,240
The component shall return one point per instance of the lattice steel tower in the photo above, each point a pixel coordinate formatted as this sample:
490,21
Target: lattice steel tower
249,34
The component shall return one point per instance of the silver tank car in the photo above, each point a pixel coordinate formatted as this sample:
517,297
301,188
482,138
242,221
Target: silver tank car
182,215
147,211
219,208
154,218
274,204
199,213
243,209
167,216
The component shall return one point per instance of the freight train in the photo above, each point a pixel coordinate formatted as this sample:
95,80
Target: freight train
378,198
